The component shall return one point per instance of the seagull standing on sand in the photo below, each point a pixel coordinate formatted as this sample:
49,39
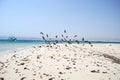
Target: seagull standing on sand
83,40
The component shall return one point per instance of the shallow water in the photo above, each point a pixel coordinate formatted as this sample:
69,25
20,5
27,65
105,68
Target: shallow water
8,45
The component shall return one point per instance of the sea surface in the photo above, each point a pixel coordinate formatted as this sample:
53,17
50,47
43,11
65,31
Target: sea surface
7,45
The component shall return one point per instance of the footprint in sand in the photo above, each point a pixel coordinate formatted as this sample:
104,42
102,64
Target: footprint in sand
1,65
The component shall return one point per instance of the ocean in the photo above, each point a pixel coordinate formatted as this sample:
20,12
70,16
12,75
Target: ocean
7,45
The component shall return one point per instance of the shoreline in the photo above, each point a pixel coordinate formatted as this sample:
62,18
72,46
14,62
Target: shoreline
6,49
5,52
60,62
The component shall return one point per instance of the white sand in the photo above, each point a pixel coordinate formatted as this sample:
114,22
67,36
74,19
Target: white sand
75,62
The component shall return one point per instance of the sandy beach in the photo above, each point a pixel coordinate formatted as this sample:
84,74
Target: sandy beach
60,62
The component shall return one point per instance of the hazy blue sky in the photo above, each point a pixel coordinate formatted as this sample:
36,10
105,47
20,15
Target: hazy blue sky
92,19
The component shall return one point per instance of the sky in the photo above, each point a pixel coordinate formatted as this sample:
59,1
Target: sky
92,19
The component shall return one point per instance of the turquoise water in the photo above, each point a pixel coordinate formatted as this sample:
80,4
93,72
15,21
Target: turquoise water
10,45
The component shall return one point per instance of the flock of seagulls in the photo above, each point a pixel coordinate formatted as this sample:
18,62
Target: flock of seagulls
63,39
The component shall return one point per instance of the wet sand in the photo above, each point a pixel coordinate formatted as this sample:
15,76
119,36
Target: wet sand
60,62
